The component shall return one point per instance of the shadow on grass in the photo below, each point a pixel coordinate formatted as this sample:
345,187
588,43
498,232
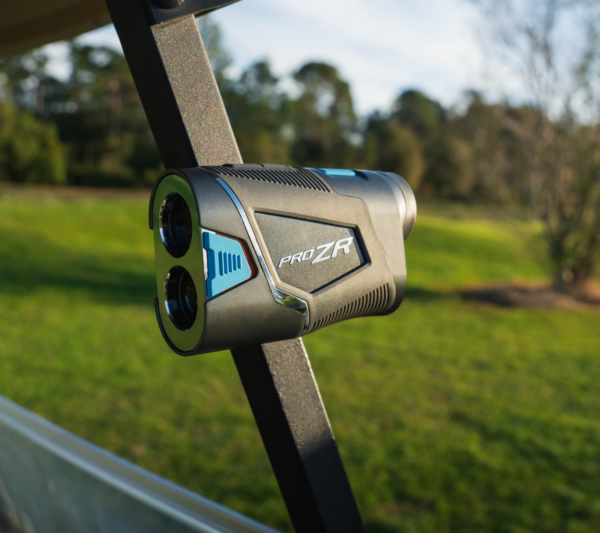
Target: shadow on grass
123,279
423,294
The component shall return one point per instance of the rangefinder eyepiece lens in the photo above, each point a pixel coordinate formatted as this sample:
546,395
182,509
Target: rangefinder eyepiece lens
176,225
181,298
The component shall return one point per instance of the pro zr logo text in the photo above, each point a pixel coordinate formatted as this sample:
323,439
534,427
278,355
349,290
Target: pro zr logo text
323,252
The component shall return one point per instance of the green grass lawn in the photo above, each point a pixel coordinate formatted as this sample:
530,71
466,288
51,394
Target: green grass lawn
450,417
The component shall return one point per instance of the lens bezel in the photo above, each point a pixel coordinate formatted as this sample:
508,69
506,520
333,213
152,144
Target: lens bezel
183,340
176,226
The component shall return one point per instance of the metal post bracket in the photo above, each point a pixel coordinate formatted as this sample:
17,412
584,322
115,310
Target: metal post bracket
165,10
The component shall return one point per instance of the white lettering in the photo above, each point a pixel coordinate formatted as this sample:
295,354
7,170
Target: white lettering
326,248
309,256
285,259
343,244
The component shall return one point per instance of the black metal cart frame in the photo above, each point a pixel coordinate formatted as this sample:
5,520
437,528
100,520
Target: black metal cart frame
183,104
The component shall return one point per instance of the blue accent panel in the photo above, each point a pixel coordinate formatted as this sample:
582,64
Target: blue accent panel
338,172
226,262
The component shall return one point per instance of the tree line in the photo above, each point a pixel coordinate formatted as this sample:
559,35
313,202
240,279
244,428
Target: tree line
542,154
90,128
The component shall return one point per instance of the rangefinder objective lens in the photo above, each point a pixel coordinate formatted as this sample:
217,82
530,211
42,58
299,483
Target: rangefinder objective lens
175,225
181,298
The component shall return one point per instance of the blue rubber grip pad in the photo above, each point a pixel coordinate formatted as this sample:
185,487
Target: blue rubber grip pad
338,172
227,264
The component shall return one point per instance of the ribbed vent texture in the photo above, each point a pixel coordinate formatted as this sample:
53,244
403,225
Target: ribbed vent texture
370,304
294,177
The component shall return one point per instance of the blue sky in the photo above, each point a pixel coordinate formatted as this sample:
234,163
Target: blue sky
380,46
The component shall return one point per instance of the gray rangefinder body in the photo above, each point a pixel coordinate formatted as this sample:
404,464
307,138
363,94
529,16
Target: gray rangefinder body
250,254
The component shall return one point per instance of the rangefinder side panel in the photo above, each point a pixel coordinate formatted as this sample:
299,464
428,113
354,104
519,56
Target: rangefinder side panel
369,289
309,255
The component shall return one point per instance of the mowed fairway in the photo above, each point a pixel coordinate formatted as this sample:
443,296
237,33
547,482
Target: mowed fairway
450,417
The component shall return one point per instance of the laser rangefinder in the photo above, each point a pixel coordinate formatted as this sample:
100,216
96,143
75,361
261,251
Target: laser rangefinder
250,254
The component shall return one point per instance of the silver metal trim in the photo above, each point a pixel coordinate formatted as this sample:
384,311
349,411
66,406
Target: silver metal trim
283,298
204,254
186,507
